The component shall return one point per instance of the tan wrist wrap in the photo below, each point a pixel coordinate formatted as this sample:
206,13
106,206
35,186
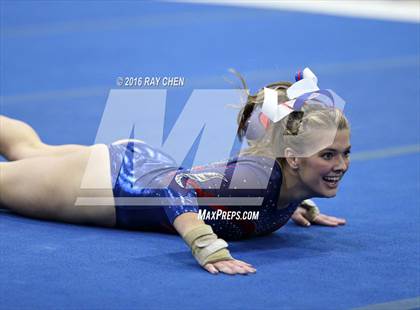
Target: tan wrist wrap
311,208
205,245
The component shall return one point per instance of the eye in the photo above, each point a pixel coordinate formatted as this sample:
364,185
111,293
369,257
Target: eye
327,156
347,154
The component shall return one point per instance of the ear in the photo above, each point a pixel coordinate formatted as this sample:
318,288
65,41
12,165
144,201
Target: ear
291,158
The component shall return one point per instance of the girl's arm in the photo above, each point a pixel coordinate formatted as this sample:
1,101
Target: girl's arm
201,238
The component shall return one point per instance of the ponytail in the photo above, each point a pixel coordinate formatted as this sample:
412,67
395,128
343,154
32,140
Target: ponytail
256,100
244,116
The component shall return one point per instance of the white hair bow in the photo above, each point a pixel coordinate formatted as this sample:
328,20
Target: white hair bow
275,111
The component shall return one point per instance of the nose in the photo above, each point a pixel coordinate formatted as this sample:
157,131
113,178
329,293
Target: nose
342,163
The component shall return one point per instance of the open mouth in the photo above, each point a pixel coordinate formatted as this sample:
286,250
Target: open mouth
332,181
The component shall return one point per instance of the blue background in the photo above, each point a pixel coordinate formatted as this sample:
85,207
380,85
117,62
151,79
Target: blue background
60,59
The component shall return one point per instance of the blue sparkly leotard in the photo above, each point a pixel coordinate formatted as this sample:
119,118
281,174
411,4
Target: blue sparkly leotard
140,171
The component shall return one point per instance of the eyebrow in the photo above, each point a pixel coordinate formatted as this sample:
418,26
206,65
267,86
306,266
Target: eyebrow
335,150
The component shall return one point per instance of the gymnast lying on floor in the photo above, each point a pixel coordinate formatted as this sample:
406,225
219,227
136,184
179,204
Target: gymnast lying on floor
299,148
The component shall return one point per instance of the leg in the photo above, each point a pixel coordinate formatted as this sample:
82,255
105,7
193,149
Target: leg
18,140
48,187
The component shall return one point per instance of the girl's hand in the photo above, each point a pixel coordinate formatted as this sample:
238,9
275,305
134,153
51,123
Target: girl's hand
300,217
232,267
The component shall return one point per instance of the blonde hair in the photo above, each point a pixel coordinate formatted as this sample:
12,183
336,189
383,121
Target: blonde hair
290,132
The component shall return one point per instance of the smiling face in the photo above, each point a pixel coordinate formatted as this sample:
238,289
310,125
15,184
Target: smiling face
321,173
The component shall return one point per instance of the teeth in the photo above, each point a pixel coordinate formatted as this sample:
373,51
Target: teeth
331,179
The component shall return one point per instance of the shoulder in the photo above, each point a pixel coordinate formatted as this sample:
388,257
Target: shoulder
245,171
265,171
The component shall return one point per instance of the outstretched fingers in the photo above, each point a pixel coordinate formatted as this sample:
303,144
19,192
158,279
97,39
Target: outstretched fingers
326,220
230,267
